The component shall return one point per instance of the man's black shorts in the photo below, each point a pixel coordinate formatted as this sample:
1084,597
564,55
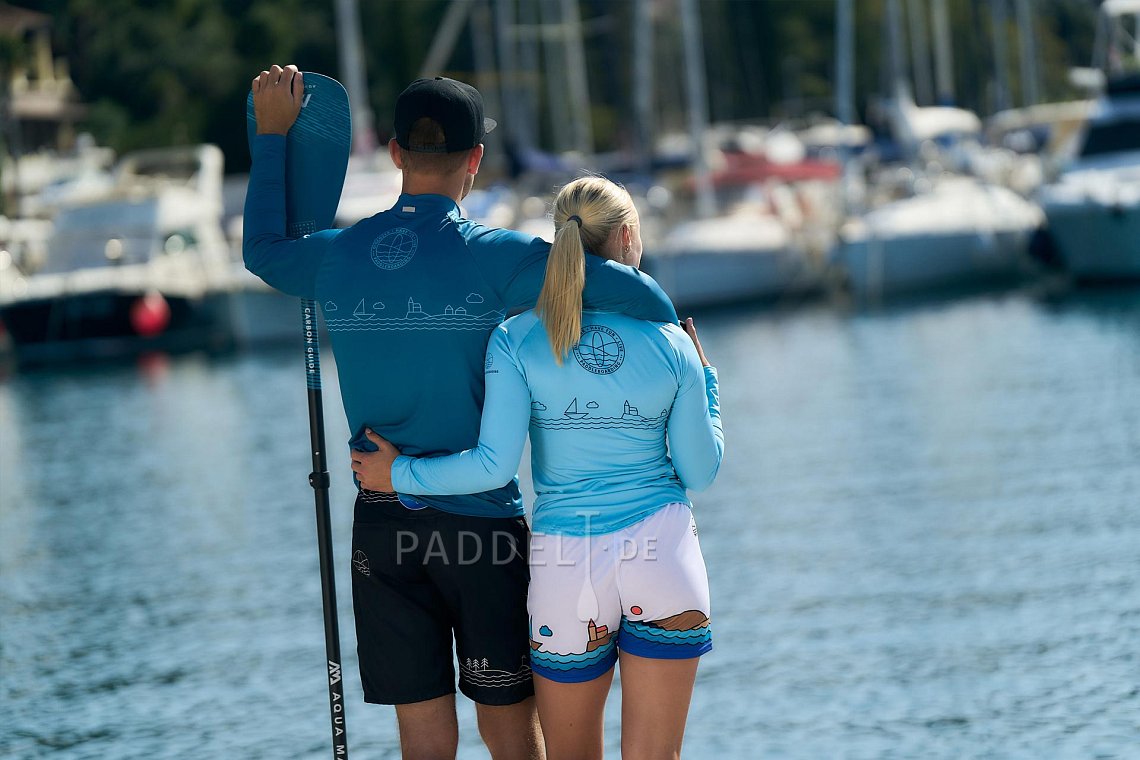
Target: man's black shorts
420,577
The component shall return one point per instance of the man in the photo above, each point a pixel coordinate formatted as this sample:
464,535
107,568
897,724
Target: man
410,297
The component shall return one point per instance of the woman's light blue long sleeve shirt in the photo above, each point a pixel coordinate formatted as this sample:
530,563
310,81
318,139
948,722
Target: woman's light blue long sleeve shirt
622,427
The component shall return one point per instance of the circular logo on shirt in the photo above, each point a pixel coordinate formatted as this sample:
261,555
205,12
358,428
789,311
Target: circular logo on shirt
394,248
599,350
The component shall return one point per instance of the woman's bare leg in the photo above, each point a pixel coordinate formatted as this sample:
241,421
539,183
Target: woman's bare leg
572,716
655,697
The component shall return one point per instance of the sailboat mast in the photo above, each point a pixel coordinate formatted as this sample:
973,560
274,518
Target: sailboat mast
1028,49
698,104
643,83
517,127
442,45
943,55
576,73
529,30
845,85
897,73
556,90
1000,23
920,53
483,52
349,49
844,62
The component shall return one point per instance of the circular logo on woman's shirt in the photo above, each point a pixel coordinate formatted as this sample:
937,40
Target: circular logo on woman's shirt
394,248
599,350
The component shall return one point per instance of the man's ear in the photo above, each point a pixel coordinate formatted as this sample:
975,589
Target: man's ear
394,152
474,158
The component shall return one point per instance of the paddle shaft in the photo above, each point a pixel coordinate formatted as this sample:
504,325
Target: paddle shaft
319,480
315,163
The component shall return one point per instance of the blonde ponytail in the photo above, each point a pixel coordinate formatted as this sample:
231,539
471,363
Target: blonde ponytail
560,302
586,212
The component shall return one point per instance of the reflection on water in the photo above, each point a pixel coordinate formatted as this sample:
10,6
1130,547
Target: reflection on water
924,542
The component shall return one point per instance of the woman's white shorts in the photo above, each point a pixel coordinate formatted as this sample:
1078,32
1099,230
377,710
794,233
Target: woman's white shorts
642,589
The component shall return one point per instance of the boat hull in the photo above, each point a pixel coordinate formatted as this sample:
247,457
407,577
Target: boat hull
710,277
1096,242
99,325
876,267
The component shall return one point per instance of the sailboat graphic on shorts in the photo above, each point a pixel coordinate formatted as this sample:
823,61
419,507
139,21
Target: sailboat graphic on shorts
572,410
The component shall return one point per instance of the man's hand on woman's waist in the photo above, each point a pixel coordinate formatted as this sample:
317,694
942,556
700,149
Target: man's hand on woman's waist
374,468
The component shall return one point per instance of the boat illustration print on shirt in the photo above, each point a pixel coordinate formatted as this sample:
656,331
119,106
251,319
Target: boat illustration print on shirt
572,411
365,312
573,419
367,317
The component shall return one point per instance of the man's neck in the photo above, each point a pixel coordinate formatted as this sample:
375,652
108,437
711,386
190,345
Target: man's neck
427,185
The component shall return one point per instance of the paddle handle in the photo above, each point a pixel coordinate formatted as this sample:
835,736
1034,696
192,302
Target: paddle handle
319,480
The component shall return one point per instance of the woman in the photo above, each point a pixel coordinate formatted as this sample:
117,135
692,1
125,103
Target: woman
616,570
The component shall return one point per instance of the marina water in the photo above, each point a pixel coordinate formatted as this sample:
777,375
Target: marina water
924,542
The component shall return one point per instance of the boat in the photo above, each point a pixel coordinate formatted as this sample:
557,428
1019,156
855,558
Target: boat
572,411
46,159
1092,210
748,254
144,266
921,228
747,155
960,233
598,636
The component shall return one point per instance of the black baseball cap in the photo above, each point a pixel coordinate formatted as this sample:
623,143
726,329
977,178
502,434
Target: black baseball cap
457,108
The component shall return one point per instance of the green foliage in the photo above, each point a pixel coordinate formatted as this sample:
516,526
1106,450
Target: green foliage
164,72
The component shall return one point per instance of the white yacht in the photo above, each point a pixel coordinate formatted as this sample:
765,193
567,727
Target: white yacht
748,255
1093,208
145,266
935,229
959,233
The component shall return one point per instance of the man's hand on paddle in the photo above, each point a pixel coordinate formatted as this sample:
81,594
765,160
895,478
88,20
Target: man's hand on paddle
374,468
277,97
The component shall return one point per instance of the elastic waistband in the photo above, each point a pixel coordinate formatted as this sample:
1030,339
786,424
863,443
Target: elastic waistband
545,523
376,497
378,505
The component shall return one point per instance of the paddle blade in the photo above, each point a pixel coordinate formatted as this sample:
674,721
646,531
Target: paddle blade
316,154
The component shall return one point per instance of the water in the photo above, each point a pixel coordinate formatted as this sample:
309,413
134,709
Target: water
924,542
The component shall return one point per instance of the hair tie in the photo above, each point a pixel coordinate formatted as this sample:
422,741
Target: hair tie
575,218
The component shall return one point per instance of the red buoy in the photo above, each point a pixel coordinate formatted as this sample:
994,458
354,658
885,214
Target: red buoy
150,314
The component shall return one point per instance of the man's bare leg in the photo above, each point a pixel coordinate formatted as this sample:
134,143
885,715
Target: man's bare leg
429,730
511,732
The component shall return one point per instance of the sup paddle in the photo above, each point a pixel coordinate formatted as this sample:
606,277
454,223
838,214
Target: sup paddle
316,158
